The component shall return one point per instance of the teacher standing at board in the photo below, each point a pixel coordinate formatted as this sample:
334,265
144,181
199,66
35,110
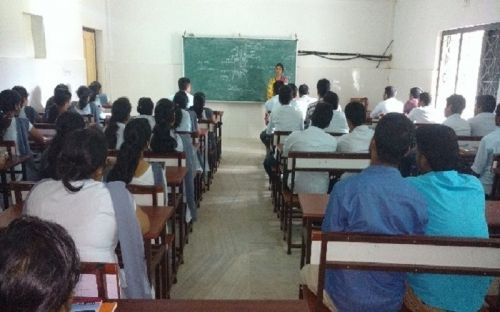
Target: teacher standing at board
279,70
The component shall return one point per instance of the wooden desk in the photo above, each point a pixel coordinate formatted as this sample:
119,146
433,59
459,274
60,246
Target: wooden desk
175,178
10,165
313,210
212,305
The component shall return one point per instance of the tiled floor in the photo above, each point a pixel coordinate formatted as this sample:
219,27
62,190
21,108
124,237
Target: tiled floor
236,250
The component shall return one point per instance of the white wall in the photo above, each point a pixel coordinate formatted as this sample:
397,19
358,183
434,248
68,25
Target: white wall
63,21
417,32
146,45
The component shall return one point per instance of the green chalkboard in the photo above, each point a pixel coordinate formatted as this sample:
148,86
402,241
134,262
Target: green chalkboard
236,69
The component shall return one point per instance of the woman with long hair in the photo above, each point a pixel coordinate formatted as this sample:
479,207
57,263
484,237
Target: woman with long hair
120,114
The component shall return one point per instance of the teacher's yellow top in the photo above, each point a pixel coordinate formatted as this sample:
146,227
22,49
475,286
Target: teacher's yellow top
270,85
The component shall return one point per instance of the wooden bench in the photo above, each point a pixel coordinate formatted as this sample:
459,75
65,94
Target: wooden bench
329,163
97,280
399,253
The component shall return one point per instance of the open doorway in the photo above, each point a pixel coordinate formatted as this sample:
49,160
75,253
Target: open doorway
89,49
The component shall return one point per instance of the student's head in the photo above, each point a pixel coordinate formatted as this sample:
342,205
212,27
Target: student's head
277,86
184,84
162,141
135,140
9,102
61,86
65,123
455,104
393,138
322,115
415,92
96,87
355,114
294,90
181,99
303,89
145,106
323,86
84,93
285,95
120,113
23,93
82,157
199,104
62,98
437,148
279,69
39,266
389,92
331,98
485,104
424,99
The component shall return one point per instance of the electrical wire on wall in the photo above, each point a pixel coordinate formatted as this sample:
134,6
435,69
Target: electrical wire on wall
335,56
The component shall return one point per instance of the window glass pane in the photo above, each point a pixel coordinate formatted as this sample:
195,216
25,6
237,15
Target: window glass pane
447,69
468,69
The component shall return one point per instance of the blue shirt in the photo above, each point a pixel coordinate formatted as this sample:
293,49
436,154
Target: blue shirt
456,208
376,201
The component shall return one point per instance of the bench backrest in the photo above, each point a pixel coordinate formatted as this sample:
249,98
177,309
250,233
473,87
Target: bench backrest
176,159
469,142
20,189
98,280
148,195
416,254
279,137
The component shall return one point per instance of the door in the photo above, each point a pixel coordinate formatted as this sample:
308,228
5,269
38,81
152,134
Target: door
89,50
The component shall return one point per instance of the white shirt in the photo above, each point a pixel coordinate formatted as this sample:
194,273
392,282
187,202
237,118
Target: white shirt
459,125
285,118
312,139
85,111
358,141
423,114
391,105
190,99
185,122
11,132
338,124
119,134
150,119
147,178
303,102
87,215
482,124
488,147
272,103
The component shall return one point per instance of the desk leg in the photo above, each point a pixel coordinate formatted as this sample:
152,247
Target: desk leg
303,245
5,189
308,241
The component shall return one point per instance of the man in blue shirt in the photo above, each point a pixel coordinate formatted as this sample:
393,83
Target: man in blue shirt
456,208
376,201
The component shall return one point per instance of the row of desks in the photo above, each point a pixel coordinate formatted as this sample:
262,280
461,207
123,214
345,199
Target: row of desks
314,207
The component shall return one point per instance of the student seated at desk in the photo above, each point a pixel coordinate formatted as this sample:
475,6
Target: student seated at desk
338,124
322,87
61,100
313,139
455,104
26,111
202,112
39,267
455,206
376,201
389,105
488,147
145,108
67,122
413,100
120,114
303,101
358,140
483,123
88,209
50,101
269,106
283,118
424,113
130,166
185,120
18,130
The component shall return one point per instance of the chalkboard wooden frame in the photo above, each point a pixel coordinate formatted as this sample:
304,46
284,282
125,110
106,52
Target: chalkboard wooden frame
229,69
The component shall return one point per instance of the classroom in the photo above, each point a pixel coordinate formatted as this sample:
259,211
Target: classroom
229,155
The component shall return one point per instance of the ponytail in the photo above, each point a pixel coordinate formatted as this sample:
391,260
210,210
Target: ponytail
199,104
120,112
165,115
